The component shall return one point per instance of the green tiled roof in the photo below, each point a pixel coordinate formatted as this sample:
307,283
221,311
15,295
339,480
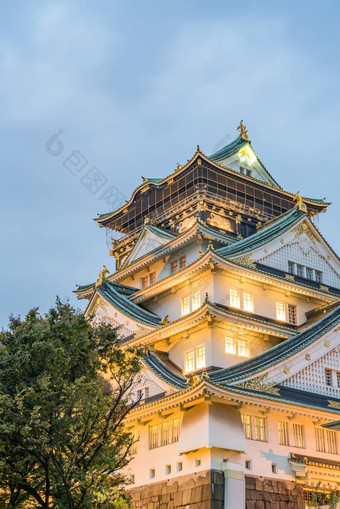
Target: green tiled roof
160,232
279,352
228,150
164,372
268,233
118,294
80,288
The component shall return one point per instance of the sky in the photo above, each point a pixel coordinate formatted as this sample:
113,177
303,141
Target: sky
129,88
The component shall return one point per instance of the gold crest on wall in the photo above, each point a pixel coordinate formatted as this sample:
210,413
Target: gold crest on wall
220,222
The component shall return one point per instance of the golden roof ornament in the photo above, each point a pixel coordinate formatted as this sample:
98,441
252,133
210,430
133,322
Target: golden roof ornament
299,202
165,320
243,131
102,276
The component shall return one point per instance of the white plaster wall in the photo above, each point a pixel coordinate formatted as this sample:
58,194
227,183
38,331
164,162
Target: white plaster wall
195,339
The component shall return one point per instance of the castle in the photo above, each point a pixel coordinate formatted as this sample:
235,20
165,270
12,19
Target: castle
225,279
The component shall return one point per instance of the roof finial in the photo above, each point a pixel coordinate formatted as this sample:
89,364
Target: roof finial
299,202
102,276
198,149
243,131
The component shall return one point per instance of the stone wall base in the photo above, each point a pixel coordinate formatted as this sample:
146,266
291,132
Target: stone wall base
202,490
263,493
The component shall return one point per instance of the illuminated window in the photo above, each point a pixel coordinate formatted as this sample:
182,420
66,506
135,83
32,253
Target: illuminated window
174,267
298,434
248,302
153,436
165,433
167,469
230,345
195,359
234,298
243,348
175,430
196,300
182,262
338,379
179,466
325,441
134,447
190,361
185,305
152,473
152,278
292,314
255,428
283,433
144,281
260,428
200,357
281,311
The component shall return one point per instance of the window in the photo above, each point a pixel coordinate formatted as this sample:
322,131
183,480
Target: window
143,393
255,428
274,468
248,464
283,433
179,466
234,298
338,379
153,436
280,311
152,278
200,357
165,433
292,314
174,266
248,302
230,345
196,300
152,473
185,305
182,262
190,361
197,463
144,281
248,170
318,276
300,270
195,359
291,267
167,469
243,348
132,478
325,440
328,377
134,447
175,430
309,273
298,434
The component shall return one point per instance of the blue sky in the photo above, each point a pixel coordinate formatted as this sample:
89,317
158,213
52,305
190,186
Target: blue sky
134,87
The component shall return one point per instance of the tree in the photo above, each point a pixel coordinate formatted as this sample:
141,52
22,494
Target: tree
64,394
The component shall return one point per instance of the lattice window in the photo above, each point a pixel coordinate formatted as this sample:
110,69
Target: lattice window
302,251
313,377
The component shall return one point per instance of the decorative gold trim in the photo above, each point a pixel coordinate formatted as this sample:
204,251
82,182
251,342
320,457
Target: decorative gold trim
289,277
102,276
307,357
333,404
220,222
258,384
246,260
327,343
286,370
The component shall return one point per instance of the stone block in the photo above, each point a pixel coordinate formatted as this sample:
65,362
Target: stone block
259,504
178,498
250,483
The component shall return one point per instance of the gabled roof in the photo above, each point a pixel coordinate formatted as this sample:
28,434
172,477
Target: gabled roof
233,147
117,295
228,150
158,237
274,228
164,372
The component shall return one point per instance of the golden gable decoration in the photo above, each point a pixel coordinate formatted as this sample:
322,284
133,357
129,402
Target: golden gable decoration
259,384
220,222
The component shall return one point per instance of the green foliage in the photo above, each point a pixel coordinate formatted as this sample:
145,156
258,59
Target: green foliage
321,498
64,393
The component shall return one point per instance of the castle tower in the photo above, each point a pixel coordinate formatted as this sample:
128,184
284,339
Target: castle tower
226,280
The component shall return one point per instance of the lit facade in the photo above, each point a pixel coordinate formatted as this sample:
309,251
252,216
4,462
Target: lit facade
226,280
